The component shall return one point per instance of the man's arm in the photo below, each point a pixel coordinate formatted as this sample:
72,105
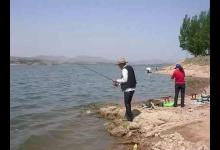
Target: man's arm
124,76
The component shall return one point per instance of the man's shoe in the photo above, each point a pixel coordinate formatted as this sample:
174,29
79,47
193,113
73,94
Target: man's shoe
124,119
130,120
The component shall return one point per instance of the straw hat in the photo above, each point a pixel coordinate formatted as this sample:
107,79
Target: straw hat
121,61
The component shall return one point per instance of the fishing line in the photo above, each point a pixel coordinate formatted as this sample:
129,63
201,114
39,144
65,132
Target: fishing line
95,72
85,67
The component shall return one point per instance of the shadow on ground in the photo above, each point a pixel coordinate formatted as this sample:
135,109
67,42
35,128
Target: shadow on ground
135,112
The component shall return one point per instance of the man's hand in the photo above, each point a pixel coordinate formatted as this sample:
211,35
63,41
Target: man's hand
115,83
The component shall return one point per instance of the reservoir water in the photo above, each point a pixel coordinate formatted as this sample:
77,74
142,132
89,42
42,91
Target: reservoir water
47,104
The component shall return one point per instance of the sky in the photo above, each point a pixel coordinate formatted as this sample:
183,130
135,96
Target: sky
134,29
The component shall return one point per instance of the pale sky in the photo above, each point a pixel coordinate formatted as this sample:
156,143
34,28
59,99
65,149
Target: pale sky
134,29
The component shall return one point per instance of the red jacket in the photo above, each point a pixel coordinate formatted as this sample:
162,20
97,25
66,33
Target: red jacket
179,76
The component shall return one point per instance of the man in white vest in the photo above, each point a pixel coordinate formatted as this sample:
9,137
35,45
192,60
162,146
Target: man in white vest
128,85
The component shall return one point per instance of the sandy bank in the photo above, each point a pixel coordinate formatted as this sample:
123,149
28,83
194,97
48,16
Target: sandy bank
194,67
190,70
160,128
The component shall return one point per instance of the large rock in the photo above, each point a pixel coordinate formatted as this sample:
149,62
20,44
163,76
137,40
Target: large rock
111,112
133,126
118,131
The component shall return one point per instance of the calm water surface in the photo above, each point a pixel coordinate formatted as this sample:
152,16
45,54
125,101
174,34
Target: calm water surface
47,104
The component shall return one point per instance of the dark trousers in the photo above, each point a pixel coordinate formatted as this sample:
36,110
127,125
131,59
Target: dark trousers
179,87
127,100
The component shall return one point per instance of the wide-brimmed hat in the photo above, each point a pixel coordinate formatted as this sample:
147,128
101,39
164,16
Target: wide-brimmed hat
121,61
177,66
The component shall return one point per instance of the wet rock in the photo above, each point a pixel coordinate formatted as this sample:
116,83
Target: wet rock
111,112
118,131
109,126
118,122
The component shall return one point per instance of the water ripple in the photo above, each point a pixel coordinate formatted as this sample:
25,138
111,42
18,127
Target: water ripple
46,102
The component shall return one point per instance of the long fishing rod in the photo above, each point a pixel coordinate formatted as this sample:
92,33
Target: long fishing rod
95,72
83,66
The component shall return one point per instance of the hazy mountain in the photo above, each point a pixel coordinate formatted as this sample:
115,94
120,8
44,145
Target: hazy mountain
54,60
57,58
89,59
153,61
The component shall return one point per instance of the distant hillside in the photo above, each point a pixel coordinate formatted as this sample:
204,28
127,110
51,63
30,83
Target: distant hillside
55,60
153,61
24,60
200,60
89,59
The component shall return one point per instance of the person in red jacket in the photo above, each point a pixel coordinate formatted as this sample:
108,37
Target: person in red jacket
179,76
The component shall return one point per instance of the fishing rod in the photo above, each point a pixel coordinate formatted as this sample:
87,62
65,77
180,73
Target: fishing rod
85,67
95,72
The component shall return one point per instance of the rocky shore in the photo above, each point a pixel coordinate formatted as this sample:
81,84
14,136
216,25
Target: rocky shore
162,128
165,128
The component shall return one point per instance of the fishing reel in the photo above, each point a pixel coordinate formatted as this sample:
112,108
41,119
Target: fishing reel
115,83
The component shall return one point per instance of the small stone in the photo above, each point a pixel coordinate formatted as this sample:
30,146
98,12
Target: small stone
129,134
159,143
181,148
179,142
88,112
133,126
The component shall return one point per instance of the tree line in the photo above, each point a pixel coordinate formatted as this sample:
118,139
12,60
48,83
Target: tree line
195,34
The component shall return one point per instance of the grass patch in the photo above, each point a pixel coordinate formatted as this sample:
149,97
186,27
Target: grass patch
196,84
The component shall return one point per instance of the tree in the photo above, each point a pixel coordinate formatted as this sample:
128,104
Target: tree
184,31
195,34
